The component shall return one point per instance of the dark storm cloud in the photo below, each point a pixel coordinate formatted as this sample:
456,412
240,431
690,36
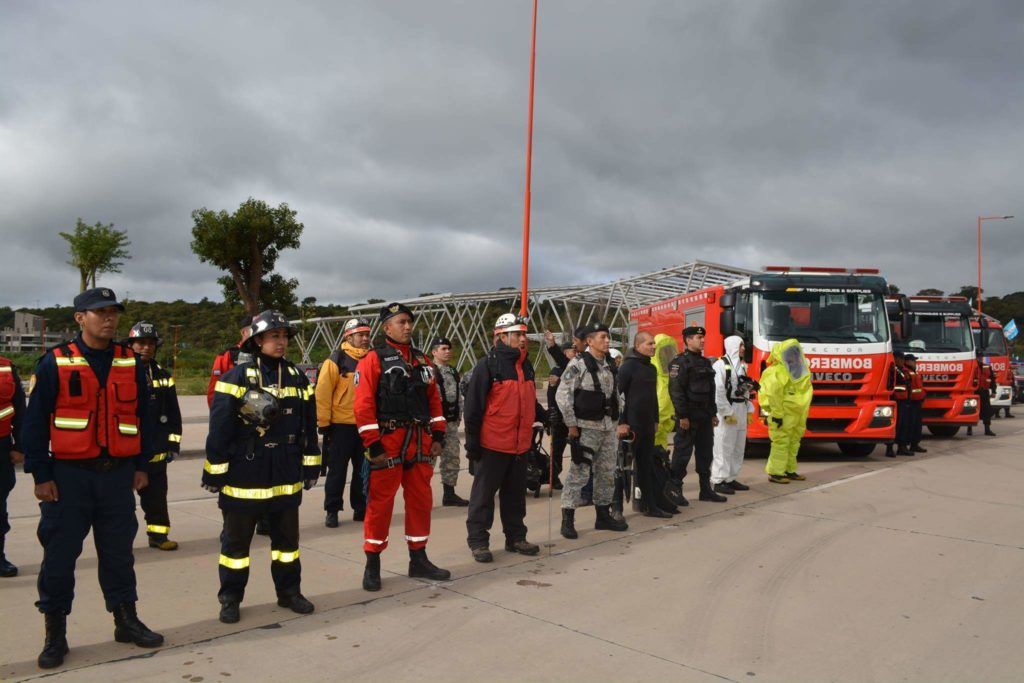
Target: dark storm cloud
745,133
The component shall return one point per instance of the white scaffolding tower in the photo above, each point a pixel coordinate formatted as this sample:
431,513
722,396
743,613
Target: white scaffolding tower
464,317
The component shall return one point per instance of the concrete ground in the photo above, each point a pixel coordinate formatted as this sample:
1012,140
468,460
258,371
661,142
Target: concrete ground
872,570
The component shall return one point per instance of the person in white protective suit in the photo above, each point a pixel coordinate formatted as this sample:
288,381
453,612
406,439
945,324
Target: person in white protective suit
733,398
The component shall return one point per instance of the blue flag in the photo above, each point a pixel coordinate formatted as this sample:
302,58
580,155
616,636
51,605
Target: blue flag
1010,331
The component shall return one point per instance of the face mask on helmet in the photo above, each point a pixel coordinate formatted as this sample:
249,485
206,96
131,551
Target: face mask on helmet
793,357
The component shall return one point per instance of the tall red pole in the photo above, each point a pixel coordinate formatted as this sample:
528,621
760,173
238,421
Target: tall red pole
524,305
979,266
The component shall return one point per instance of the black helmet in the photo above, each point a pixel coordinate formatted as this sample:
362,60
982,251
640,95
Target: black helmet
259,409
144,330
264,322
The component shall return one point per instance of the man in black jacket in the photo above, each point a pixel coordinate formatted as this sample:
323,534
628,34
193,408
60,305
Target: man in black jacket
638,384
559,432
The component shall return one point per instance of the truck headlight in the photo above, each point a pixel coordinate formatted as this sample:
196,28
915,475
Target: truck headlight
883,411
971,402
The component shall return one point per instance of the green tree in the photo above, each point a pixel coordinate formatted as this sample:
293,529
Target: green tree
892,290
96,249
247,244
930,291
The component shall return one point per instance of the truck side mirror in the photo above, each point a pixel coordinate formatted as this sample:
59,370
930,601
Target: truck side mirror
728,300
906,319
727,321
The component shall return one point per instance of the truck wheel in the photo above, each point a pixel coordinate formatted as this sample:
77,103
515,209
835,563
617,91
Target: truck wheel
944,431
856,450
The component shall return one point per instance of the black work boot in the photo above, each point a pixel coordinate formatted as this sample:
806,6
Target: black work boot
482,554
7,570
903,450
229,611
988,431
522,546
56,644
422,568
296,603
371,575
674,492
569,523
128,628
889,453
708,493
737,486
724,489
916,447
452,499
970,431
655,511
606,521
331,520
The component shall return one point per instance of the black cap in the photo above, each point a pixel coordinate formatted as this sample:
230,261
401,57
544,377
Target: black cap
393,309
100,297
440,341
591,328
565,346
692,330
899,354
244,321
580,332
909,356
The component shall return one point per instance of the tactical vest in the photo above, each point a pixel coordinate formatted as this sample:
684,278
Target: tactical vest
450,408
402,388
346,363
7,389
88,418
592,404
700,385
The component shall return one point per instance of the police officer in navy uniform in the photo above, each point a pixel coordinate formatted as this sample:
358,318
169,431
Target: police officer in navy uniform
691,384
12,409
163,407
87,441
261,453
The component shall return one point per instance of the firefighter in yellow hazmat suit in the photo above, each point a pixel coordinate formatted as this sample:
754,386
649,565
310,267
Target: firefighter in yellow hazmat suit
785,399
665,349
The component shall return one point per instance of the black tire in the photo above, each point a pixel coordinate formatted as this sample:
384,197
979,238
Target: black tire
856,450
944,431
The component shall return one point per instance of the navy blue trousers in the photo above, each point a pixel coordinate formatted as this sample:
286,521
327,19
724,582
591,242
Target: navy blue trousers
103,502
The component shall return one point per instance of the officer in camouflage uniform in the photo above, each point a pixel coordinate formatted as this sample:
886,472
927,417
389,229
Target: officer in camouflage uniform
448,380
588,398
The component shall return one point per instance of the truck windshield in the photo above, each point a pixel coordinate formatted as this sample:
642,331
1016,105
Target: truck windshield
938,332
996,345
823,317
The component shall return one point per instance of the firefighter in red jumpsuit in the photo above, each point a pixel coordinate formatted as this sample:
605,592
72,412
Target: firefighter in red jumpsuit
399,417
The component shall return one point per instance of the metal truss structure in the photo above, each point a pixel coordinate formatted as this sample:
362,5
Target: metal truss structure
465,318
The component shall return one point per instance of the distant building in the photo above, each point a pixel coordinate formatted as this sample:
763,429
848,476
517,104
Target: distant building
27,334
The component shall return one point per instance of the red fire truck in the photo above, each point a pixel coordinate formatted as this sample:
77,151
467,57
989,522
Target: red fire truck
838,315
988,336
939,335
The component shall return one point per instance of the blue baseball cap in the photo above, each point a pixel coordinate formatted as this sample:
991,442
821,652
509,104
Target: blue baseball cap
99,297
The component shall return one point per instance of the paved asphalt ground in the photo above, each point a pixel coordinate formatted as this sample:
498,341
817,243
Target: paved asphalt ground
876,569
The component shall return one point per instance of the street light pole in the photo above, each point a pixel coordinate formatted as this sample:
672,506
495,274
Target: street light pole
980,219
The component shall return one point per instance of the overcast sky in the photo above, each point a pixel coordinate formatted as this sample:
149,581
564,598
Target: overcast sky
747,133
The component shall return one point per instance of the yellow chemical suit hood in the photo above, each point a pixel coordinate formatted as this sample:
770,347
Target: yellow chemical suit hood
665,349
786,388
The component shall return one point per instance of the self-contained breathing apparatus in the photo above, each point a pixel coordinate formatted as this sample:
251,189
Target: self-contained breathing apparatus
402,402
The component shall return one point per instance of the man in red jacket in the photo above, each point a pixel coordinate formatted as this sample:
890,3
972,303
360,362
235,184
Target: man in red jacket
399,417
501,412
228,359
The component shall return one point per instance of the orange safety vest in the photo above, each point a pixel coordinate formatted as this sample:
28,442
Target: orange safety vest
901,390
6,397
89,418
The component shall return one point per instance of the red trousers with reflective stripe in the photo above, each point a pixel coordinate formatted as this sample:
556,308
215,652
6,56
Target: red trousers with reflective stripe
380,503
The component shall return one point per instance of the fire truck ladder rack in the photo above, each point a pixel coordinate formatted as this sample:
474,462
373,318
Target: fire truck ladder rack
463,317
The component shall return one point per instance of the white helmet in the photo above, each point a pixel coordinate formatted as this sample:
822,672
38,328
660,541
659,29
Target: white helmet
615,353
355,325
510,322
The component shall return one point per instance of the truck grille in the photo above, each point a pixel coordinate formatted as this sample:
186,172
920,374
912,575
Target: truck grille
833,400
827,425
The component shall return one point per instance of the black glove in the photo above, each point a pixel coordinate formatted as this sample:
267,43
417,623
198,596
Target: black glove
308,484
322,431
472,455
777,421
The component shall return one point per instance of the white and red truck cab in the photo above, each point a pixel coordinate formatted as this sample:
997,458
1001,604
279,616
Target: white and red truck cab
988,337
839,317
939,335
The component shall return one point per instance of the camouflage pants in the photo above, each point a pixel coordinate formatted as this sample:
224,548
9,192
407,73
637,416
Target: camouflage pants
605,446
449,460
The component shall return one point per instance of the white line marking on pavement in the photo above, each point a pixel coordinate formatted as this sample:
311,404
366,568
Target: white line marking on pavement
845,481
